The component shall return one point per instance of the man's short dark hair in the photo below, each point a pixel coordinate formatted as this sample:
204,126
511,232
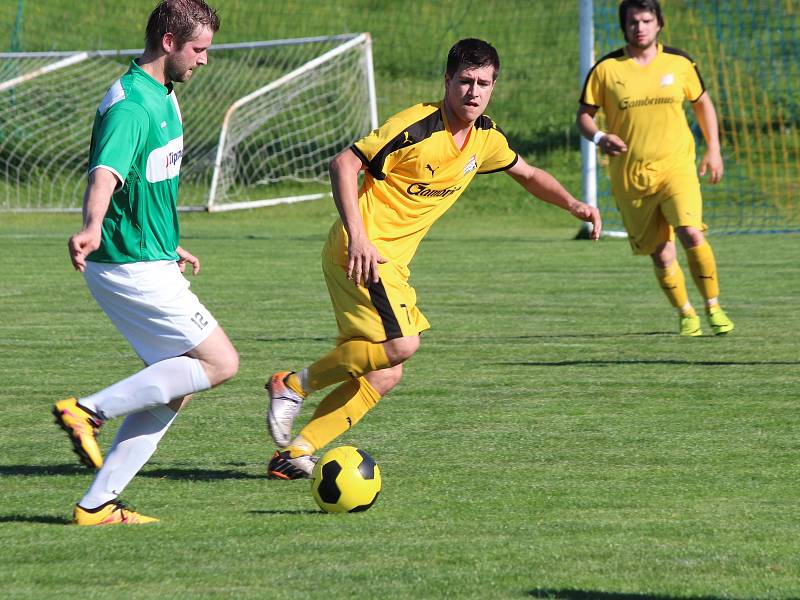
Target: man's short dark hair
472,53
649,5
181,18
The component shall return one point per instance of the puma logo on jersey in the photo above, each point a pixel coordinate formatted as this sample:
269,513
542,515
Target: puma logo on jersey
431,169
667,79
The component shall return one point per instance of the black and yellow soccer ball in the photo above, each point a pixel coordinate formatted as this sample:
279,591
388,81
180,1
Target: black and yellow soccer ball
345,479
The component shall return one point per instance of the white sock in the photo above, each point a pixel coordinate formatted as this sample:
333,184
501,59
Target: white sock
156,385
134,444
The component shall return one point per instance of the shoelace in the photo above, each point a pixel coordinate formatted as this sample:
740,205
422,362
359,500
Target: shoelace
122,507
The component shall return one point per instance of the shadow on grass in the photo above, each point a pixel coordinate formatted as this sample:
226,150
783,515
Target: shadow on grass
199,474
596,595
330,339
286,512
664,361
34,519
40,470
167,473
554,336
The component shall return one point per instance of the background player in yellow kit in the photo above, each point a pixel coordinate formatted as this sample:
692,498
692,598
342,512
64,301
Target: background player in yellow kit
417,165
641,89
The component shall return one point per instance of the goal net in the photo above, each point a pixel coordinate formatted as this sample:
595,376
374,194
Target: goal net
750,68
261,121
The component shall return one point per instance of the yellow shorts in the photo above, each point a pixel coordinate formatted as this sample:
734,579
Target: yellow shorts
383,311
651,220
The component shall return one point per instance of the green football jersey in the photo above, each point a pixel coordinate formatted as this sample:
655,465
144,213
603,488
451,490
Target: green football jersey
138,136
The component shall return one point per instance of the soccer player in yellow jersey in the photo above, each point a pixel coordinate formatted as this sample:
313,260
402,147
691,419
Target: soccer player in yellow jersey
417,165
641,89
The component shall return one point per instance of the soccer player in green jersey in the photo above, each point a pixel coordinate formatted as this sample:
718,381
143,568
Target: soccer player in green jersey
641,89
416,165
128,251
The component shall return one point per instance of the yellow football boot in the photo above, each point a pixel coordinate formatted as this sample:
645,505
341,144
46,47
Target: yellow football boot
82,428
719,321
690,326
112,512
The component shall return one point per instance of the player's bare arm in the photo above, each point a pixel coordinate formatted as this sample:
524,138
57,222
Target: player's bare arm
707,119
96,199
609,143
547,188
184,258
363,256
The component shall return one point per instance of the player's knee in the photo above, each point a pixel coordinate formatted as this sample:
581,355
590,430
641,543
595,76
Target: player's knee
231,365
401,349
664,255
690,237
384,380
394,376
225,367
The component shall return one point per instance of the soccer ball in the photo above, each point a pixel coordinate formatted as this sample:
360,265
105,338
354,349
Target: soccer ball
345,479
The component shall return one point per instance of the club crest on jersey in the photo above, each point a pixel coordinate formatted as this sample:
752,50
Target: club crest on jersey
471,165
667,79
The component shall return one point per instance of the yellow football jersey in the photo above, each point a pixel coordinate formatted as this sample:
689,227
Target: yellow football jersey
414,173
643,105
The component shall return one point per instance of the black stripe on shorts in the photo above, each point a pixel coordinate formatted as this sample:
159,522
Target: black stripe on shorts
377,293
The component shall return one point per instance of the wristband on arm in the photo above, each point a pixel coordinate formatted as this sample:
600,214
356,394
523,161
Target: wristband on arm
599,135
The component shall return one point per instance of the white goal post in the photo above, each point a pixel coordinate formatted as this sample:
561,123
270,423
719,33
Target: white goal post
262,120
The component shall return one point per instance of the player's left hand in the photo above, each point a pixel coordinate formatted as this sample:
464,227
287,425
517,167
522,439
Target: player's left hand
712,164
590,214
187,257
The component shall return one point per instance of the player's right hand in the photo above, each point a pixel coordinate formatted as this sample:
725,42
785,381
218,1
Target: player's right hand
612,145
362,266
80,246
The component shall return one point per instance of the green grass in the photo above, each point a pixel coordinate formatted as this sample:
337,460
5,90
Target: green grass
551,438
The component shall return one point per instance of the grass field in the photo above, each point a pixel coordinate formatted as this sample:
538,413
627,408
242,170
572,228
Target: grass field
552,438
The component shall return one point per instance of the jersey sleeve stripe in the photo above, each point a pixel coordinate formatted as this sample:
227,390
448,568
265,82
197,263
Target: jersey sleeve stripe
506,168
619,53
113,171
679,52
702,84
413,134
364,160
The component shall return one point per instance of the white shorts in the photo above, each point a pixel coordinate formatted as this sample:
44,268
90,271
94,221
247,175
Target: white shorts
151,305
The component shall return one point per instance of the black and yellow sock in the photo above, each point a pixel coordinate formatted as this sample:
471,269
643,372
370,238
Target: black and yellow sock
338,412
292,381
349,360
673,283
704,269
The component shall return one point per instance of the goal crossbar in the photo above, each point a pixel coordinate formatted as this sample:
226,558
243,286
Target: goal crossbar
363,38
271,114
